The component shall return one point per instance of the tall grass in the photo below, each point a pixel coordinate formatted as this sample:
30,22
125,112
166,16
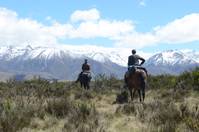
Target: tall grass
171,105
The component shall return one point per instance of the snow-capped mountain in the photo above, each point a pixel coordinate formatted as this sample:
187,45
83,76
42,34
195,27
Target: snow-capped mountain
118,56
172,61
64,62
174,57
100,54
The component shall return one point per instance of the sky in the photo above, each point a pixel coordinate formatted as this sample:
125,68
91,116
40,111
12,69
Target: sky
147,25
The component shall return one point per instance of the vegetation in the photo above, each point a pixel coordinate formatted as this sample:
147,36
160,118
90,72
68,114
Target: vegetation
171,105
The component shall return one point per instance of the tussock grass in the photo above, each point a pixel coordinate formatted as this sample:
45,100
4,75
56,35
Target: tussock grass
37,105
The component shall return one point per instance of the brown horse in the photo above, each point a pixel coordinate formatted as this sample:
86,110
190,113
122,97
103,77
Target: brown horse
137,82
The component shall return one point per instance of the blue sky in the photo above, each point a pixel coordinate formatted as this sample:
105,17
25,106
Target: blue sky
142,17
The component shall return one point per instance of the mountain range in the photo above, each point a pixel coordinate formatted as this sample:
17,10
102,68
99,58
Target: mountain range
64,62
172,62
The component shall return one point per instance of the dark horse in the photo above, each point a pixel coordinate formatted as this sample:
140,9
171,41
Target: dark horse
137,82
84,79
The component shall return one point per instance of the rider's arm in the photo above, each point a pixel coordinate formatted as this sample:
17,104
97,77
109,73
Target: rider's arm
142,59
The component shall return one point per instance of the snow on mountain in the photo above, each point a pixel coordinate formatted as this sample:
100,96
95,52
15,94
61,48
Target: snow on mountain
46,60
100,54
172,62
118,56
63,62
192,54
173,57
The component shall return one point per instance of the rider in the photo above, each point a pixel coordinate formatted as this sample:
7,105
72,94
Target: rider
133,64
85,66
85,69
133,61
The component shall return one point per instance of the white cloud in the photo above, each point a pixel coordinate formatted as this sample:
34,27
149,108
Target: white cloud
48,18
15,31
18,31
136,40
181,30
85,15
142,3
102,28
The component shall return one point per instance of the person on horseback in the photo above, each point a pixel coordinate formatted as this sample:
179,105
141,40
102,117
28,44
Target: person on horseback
85,66
136,76
85,70
133,64
133,61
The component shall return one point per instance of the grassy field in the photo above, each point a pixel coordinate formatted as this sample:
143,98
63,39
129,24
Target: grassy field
171,105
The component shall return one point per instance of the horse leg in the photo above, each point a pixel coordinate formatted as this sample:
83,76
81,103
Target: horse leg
85,86
133,93
143,85
88,86
143,94
130,90
139,92
143,90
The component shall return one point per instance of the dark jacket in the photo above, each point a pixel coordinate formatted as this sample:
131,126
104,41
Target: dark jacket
133,60
85,67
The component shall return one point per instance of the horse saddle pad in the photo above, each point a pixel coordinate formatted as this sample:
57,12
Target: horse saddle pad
87,73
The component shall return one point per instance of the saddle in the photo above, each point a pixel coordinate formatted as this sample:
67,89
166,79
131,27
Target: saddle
133,69
87,73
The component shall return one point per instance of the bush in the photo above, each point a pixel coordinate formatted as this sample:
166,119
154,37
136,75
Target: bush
122,97
84,118
14,117
84,95
59,107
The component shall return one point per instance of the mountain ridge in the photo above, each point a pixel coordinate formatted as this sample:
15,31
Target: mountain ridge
64,62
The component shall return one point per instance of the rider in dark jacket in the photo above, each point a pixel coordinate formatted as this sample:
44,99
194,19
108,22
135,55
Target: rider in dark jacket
133,61
85,69
85,66
133,64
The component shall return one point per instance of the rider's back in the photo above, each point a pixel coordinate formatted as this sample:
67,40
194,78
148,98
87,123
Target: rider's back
133,60
85,67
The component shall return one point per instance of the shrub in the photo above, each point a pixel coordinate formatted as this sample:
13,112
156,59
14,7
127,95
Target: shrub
84,95
84,118
59,107
14,117
122,97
